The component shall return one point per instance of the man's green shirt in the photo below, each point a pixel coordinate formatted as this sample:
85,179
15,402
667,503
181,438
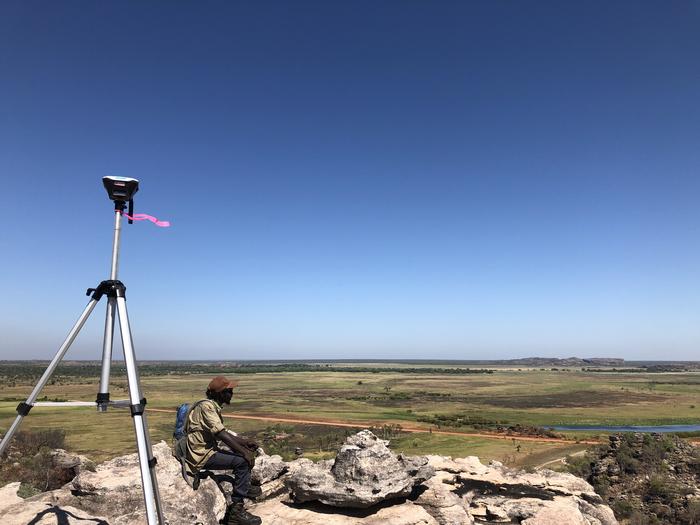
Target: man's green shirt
204,422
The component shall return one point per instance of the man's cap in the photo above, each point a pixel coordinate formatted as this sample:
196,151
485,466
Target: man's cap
220,383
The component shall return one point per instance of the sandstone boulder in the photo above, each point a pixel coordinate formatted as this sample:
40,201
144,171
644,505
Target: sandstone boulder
267,468
281,511
365,472
497,494
113,493
8,495
67,460
440,500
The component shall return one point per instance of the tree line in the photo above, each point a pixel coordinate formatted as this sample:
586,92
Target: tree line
17,371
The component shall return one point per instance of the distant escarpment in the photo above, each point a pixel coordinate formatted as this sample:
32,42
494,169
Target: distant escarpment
365,484
562,362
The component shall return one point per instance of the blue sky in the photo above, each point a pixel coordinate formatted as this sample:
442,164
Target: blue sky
458,180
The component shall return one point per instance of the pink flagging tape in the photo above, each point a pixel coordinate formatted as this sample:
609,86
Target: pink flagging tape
144,217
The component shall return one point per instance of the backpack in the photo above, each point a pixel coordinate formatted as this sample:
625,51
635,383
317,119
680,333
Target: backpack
180,420
179,449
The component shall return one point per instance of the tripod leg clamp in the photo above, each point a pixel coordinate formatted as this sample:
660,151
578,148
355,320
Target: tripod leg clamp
137,410
102,398
24,408
152,462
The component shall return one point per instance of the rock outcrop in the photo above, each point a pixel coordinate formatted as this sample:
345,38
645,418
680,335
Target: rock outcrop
364,473
651,478
465,490
366,484
112,493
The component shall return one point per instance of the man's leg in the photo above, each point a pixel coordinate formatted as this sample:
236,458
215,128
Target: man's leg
240,468
235,513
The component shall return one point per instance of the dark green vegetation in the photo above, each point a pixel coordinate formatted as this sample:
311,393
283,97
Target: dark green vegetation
461,421
14,371
646,478
470,421
651,369
31,461
313,441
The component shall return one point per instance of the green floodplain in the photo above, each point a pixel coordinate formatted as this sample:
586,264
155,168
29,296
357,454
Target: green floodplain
448,401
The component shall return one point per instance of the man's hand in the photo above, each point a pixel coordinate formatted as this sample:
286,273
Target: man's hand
249,456
249,443
238,445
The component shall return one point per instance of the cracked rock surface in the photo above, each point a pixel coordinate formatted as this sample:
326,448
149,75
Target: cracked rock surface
364,473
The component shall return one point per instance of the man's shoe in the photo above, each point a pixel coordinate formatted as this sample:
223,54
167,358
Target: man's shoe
254,492
237,515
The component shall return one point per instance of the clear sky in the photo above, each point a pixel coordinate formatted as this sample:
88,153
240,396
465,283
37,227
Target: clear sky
365,179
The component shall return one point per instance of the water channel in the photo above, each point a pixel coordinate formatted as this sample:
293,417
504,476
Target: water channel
659,428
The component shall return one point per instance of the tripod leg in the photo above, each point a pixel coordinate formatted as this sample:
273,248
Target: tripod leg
152,466
24,408
146,460
103,393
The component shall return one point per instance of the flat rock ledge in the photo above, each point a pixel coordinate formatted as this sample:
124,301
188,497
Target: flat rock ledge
365,485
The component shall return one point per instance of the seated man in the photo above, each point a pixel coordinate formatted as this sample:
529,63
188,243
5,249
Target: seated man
205,428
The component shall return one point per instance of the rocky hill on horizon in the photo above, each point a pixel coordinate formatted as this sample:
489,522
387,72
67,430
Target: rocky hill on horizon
562,361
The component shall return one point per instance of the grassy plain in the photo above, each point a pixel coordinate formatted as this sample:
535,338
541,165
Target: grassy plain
508,396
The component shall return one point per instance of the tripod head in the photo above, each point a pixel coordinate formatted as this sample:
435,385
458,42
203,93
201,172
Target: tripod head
121,190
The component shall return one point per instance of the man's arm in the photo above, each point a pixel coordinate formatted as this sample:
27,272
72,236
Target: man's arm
211,419
239,445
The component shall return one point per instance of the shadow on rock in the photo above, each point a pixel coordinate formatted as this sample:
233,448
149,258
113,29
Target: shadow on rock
62,517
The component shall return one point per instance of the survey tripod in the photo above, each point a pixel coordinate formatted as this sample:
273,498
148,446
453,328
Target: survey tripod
121,190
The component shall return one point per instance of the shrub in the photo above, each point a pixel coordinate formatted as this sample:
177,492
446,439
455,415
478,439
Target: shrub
694,463
579,466
601,486
659,487
34,466
27,491
628,463
623,508
639,518
692,513
32,442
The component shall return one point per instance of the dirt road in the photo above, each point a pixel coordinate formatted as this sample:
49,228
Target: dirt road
365,424
561,459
